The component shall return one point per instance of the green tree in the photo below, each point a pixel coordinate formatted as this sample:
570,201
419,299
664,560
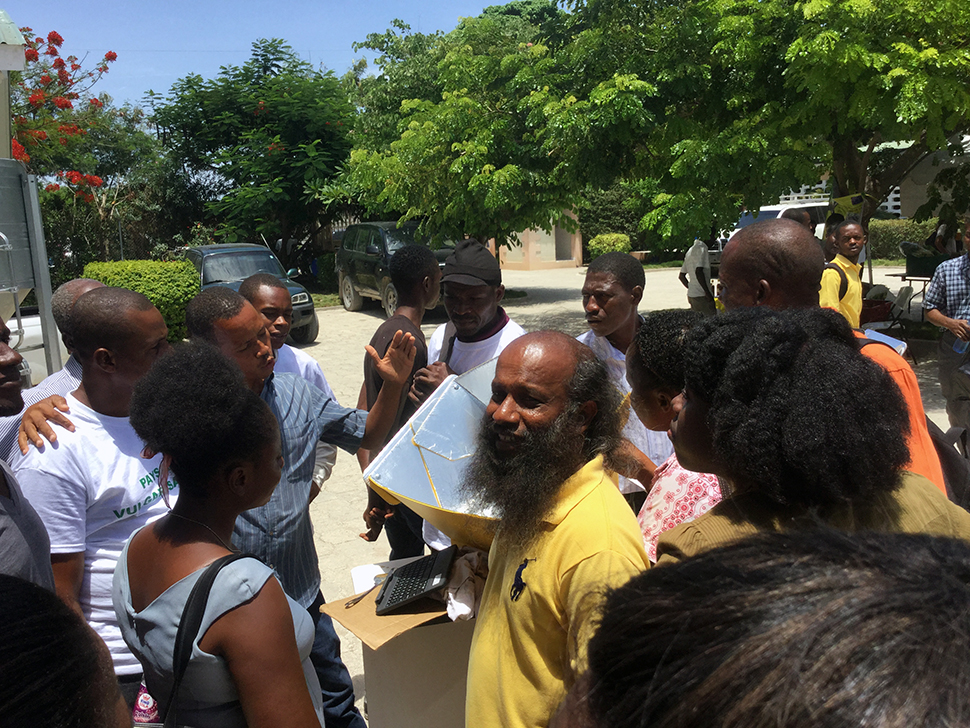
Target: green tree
479,159
273,129
756,97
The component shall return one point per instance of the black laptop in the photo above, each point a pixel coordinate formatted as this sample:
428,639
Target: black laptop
414,580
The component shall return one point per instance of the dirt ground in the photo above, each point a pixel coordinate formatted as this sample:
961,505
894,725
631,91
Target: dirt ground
553,301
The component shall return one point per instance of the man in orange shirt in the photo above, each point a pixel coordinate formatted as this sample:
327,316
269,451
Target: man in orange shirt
777,263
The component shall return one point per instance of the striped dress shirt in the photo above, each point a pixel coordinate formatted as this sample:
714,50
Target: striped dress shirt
280,532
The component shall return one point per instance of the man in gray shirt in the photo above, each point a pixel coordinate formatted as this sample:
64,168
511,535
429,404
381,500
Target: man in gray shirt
25,549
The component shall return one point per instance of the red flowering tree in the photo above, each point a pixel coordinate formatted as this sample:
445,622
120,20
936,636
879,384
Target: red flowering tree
53,108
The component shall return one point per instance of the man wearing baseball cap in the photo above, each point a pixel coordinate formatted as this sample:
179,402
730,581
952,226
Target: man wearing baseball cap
477,331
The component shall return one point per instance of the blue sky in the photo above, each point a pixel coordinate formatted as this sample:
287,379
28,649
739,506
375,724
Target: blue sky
159,42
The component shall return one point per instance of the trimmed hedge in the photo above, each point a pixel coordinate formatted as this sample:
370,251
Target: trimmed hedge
608,243
886,235
170,285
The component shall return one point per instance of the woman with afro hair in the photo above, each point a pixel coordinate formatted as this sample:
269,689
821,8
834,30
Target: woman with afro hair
802,430
250,661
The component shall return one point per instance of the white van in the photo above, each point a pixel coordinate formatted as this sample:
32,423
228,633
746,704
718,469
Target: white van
818,209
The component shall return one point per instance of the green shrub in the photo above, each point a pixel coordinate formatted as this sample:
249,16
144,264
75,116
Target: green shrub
326,275
608,243
886,235
168,285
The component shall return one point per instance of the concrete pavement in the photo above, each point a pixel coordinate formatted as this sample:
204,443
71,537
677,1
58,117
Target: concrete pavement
553,301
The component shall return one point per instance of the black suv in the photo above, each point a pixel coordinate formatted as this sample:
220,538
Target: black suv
363,261
230,265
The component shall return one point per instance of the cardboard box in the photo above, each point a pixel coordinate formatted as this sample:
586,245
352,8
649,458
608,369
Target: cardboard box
415,662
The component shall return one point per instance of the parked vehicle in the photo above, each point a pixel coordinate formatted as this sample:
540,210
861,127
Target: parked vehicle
230,265
363,262
818,209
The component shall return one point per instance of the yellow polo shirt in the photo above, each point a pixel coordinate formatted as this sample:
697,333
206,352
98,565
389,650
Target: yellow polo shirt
535,620
850,305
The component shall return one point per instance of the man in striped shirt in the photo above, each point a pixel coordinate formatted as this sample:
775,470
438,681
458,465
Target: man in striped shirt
280,532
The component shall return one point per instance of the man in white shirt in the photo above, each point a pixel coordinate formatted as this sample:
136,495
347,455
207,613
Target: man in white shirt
695,274
60,382
611,293
478,328
92,487
477,331
270,296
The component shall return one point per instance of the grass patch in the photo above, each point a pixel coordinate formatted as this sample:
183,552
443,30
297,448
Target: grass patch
325,300
512,293
885,262
667,264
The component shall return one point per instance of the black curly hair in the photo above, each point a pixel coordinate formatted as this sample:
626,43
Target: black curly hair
622,266
810,629
194,405
249,288
409,266
213,304
660,347
797,413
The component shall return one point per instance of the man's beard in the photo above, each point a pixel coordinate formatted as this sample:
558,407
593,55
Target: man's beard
523,486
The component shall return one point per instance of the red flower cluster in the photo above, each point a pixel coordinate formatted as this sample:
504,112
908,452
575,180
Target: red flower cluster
31,54
37,98
81,180
61,103
54,38
58,63
96,103
45,79
70,129
110,56
52,187
63,76
19,153
38,134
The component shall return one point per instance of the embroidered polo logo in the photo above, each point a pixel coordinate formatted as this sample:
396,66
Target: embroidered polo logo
518,585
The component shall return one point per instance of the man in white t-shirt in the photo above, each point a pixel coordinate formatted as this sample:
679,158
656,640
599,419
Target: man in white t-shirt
477,331
695,274
92,487
270,296
478,328
60,382
611,293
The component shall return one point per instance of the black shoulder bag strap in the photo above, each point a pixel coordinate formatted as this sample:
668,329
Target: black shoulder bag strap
843,279
450,334
189,625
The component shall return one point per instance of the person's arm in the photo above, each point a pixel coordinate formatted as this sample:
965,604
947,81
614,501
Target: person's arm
828,292
582,590
325,458
378,510
427,380
957,327
258,643
68,576
628,460
34,422
704,278
683,278
394,369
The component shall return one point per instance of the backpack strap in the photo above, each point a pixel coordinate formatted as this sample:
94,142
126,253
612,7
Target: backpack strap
189,624
843,280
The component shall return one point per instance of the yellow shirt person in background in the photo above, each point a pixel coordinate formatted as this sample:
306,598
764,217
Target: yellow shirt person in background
841,288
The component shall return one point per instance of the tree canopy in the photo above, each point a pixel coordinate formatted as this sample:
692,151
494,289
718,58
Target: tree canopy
271,130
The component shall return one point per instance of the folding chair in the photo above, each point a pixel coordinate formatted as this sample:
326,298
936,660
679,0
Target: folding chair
899,307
